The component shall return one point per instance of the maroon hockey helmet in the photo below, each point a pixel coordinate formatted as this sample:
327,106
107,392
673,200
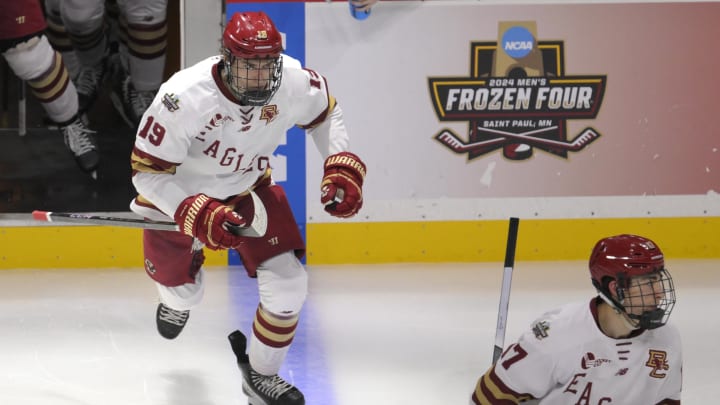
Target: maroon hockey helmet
251,48
623,258
252,35
629,255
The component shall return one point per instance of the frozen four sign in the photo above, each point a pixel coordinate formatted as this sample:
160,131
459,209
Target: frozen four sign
517,97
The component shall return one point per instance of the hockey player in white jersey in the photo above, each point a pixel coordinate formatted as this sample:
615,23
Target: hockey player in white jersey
617,349
202,146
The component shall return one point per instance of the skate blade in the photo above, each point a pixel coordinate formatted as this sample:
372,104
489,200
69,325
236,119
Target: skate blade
253,400
120,109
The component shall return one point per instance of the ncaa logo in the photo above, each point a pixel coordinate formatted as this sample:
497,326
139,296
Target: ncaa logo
516,114
518,42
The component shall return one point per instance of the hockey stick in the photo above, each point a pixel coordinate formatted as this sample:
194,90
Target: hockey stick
450,140
505,291
575,145
4,93
455,144
22,114
256,229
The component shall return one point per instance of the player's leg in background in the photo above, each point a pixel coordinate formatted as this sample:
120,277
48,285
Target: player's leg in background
84,23
143,41
116,66
59,38
36,62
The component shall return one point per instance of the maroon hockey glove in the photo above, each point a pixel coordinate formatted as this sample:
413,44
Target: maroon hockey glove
341,187
208,219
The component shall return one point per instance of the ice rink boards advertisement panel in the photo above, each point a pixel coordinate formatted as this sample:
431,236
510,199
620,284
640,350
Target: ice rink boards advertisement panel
582,120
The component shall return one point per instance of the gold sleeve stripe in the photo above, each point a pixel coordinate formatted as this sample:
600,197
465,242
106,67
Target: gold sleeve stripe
490,390
497,392
146,166
139,168
144,162
145,202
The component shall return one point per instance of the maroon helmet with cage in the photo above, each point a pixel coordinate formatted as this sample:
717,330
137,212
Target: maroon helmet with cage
626,259
251,48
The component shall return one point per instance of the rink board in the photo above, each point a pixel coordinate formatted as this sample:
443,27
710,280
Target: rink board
380,242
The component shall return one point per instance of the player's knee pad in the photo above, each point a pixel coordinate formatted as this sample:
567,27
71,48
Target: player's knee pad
146,29
82,16
183,297
144,11
32,58
282,284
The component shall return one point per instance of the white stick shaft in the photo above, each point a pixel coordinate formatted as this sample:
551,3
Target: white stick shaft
22,123
257,228
90,219
505,289
502,313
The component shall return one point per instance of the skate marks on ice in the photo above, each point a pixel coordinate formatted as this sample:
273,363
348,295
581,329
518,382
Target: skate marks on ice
382,335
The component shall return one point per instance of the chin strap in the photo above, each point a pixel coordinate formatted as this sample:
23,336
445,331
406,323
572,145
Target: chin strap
620,311
626,319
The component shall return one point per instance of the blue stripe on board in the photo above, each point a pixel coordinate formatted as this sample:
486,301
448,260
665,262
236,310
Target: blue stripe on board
306,363
289,19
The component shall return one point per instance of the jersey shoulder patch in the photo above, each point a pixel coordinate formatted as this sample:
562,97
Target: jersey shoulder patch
556,322
541,329
171,102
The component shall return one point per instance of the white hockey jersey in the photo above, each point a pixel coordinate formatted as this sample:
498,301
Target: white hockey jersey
565,359
196,138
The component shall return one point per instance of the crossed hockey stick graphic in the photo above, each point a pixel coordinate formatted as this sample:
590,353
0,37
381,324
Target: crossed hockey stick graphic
457,145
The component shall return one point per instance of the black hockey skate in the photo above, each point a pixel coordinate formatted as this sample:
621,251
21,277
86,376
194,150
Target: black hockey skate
262,389
170,322
88,83
80,140
129,102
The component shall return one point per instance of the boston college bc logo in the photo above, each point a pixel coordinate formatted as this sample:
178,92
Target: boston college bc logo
517,97
657,361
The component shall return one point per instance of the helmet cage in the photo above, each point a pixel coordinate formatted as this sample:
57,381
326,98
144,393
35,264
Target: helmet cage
654,290
255,83
252,57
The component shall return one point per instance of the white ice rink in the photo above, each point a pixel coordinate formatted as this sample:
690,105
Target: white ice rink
369,335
